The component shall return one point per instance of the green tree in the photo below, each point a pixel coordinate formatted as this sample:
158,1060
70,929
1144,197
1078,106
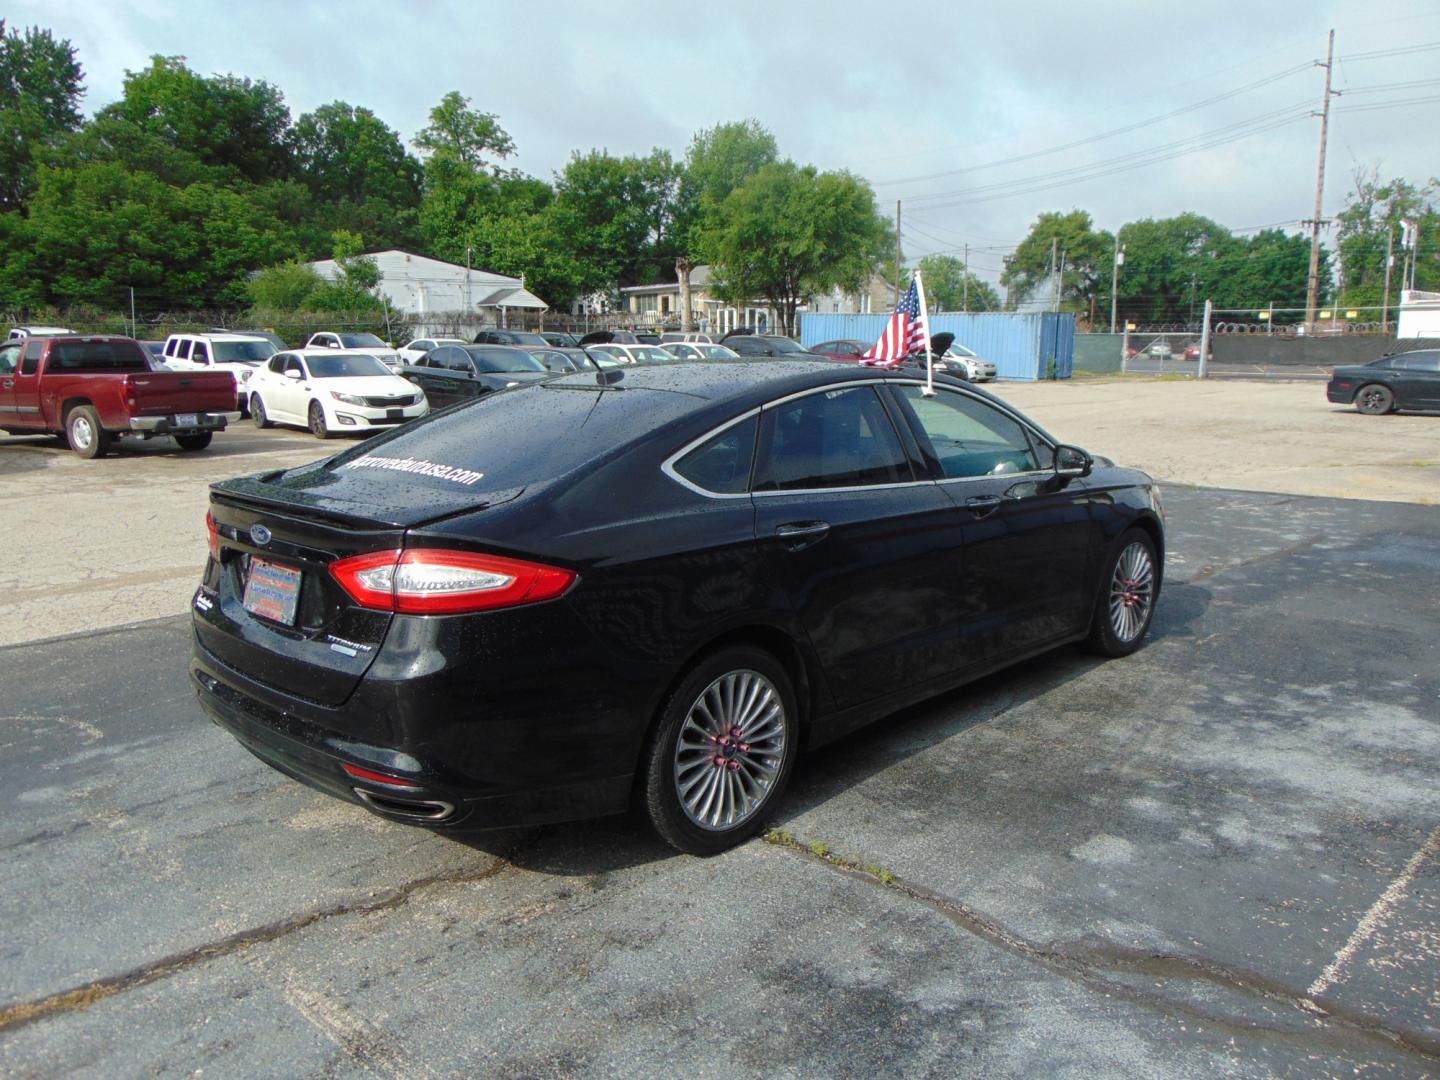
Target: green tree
467,135
950,287
359,173
1087,258
284,287
614,216
789,232
1271,267
40,89
1373,211
719,160
1172,265
226,122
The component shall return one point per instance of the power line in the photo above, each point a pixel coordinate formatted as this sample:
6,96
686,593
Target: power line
1126,129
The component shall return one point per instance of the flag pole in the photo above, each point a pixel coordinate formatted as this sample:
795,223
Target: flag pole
929,390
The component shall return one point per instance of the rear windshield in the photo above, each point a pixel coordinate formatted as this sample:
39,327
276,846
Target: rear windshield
522,338
785,345
98,356
340,367
647,355
498,360
511,439
242,352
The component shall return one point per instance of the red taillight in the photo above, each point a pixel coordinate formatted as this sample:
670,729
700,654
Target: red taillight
358,773
214,534
436,581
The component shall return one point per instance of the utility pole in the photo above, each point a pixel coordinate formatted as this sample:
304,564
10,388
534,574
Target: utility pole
1060,282
1312,285
897,253
965,281
1205,344
1054,251
1192,298
1115,278
133,327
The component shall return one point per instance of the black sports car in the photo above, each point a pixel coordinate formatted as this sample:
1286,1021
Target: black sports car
652,586
1408,380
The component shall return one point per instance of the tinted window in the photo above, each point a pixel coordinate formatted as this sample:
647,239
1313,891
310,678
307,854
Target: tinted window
362,341
31,358
716,352
199,353
1420,361
452,360
242,352
648,354
748,346
967,436
835,438
98,356
500,360
722,463
554,361
340,367
292,363
779,346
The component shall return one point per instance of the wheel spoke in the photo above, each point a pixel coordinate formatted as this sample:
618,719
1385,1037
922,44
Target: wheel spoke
729,750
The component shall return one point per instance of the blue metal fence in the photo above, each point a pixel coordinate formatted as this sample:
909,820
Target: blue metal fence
1021,346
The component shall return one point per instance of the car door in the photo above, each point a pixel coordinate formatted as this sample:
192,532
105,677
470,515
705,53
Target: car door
9,365
865,553
25,387
1416,380
287,396
1028,536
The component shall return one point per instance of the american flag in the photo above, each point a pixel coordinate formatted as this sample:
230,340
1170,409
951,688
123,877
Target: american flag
904,334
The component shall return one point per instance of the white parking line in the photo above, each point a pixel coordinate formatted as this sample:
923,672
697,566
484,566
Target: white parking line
1375,917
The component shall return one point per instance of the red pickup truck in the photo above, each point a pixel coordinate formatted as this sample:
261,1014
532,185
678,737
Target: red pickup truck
94,390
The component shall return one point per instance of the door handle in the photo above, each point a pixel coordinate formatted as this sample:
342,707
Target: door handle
801,534
980,505
9,384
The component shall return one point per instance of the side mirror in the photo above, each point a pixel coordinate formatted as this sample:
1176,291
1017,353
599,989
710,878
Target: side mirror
1071,462
291,373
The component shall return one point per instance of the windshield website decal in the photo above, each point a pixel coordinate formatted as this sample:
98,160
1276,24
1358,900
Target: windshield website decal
412,465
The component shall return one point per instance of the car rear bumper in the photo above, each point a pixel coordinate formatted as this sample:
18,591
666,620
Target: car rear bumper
303,740
171,425
1340,395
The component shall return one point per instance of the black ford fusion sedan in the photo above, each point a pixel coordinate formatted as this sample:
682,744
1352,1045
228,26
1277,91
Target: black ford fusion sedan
651,587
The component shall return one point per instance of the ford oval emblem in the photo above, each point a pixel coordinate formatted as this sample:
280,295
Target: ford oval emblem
259,535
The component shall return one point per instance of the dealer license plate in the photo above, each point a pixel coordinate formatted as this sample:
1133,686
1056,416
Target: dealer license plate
272,591
186,419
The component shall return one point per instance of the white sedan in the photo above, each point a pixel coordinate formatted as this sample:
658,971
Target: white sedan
413,350
332,392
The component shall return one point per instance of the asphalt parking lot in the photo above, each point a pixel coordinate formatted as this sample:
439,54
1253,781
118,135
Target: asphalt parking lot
1221,855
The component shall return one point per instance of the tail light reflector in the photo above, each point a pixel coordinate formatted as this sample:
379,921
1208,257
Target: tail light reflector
438,581
357,773
214,535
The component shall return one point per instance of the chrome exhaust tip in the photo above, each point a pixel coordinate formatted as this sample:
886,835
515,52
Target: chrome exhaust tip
412,809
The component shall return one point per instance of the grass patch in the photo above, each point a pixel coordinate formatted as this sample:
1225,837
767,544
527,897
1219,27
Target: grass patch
818,849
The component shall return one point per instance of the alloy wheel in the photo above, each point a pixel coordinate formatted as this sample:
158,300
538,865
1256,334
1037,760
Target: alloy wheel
730,750
82,433
1132,590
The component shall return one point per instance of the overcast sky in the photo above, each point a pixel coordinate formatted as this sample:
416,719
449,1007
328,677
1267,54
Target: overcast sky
987,83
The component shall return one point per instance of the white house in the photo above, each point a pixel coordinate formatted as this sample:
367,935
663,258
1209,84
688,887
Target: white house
659,305
441,297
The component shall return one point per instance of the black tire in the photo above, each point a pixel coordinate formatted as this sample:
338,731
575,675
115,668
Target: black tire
318,427
1372,399
84,433
257,412
1118,629
740,764
199,441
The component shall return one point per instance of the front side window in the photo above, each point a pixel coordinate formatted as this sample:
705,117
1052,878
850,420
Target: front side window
1420,361
9,358
496,361
833,438
293,364
31,358
967,436
201,355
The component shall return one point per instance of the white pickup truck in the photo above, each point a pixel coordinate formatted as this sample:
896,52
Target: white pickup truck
368,344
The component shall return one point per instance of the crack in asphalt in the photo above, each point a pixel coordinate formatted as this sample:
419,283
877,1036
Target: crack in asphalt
1210,570
1339,1026
22,1013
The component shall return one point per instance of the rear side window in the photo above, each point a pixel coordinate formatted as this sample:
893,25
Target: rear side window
1419,361
500,360
721,464
834,438
98,356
